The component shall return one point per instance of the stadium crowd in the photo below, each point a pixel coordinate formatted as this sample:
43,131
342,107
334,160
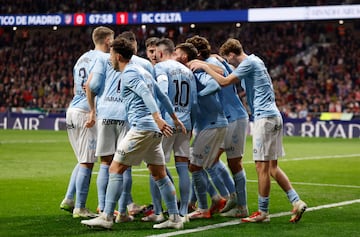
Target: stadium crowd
312,71
56,6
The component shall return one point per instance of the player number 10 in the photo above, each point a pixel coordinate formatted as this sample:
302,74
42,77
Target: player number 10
182,93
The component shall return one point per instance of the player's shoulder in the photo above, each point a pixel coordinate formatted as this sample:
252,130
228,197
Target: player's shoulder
184,70
252,59
201,75
140,60
249,62
94,56
101,55
175,64
133,67
160,65
130,67
214,60
85,59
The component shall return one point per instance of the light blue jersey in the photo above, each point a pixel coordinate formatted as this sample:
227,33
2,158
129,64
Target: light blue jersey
232,105
210,113
106,84
146,64
258,86
139,91
81,72
180,86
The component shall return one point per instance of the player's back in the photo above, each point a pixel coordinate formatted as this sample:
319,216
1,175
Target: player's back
232,105
109,101
258,86
135,81
210,113
181,89
81,72
146,64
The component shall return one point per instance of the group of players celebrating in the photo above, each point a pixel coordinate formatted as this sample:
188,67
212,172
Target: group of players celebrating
127,110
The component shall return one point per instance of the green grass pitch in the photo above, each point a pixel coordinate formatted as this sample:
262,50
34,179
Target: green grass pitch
35,167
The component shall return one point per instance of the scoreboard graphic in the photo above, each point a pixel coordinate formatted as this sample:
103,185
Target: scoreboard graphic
221,16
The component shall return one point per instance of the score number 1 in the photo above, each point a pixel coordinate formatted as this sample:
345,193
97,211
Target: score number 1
122,18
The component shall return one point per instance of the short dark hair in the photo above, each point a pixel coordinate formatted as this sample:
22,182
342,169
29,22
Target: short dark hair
168,43
124,47
151,41
189,49
201,44
128,35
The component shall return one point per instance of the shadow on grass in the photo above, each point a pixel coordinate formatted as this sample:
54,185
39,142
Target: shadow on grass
65,225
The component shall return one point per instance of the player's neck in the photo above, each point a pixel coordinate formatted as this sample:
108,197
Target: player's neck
242,57
122,65
102,48
165,58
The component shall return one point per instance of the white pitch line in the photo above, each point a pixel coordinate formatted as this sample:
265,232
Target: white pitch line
327,185
236,222
338,204
320,157
32,141
255,181
312,184
293,159
281,160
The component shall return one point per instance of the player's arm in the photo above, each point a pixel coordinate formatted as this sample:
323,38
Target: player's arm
91,101
163,83
214,67
218,57
229,68
211,87
147,97
92,86
141,89
194,104
210,84
223,81
165,101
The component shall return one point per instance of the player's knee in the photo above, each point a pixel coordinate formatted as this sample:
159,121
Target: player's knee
193,168
117,168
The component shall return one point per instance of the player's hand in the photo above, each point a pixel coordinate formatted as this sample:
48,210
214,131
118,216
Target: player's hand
218,57
196,65
179,126
91,120
165,128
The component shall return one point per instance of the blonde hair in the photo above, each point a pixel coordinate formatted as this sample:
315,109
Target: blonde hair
100,33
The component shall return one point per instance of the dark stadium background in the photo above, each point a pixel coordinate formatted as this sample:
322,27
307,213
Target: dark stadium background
314,64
